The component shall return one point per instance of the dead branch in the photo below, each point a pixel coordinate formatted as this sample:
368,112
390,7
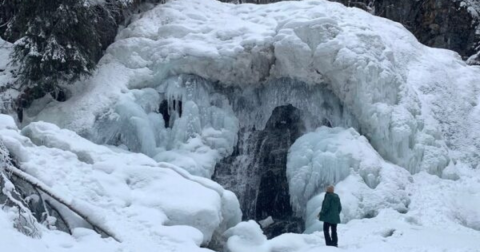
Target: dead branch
45,189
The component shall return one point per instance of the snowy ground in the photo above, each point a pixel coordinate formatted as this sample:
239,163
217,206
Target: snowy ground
443,215
417,106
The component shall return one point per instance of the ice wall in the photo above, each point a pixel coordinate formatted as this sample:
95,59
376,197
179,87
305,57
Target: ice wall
326,157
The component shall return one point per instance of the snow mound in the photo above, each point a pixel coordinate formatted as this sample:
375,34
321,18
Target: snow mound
248,236
7,122
167,207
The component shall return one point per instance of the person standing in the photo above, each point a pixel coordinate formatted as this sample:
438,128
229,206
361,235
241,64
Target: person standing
330,215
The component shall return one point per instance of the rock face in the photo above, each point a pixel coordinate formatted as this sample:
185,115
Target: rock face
449,24
256,172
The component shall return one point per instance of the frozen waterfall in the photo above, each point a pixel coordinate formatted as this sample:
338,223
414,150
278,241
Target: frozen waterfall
275,108
241,135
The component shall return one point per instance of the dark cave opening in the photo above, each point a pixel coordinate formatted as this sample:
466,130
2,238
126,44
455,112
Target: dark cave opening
167,111
163,109
256,172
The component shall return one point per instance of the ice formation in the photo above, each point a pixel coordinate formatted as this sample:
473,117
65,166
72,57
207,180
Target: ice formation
193,123
331,156
179,122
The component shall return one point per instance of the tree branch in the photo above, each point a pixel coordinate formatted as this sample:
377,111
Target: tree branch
70,205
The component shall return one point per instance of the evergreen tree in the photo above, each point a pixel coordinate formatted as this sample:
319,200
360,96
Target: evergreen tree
58,41
58,44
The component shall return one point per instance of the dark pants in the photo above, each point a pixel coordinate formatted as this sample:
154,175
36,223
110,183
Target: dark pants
333,240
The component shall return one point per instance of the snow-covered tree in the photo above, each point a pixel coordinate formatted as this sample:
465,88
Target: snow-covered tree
58,43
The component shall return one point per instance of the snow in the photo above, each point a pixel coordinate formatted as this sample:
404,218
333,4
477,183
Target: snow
266,222
246,236
167,208
82,240
7,122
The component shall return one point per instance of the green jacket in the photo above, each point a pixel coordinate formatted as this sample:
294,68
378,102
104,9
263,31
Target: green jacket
331,208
